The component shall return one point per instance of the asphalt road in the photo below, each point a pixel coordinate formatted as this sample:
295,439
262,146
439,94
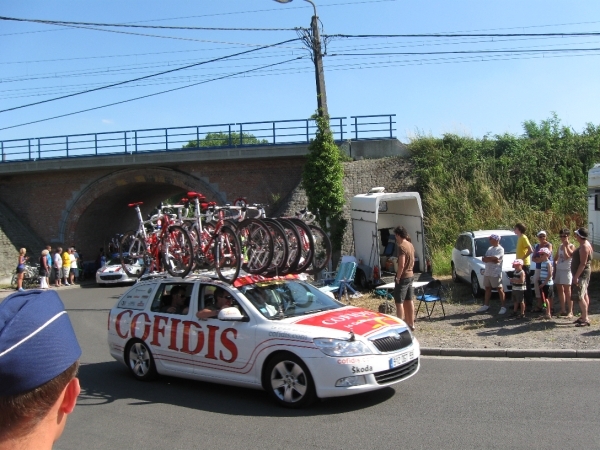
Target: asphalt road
452,403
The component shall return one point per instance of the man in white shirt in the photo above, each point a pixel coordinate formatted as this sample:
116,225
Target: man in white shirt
57,265
492,276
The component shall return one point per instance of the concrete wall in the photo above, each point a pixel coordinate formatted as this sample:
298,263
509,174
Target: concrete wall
394,173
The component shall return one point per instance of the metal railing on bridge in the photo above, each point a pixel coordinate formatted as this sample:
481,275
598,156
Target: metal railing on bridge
197,137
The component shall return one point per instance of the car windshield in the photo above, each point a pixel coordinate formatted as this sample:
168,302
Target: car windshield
278,299
117,262
509,243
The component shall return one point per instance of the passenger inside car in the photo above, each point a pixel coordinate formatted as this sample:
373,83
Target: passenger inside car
222,299
176,302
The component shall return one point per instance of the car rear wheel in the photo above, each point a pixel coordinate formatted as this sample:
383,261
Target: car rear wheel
289,382
140,361
475,288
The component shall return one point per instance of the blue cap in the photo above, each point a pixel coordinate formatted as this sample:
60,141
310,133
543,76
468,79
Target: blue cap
37,341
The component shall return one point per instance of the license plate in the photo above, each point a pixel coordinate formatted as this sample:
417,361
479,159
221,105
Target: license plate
401,359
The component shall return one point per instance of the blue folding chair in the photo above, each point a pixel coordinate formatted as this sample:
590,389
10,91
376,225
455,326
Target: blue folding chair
431,294
343,279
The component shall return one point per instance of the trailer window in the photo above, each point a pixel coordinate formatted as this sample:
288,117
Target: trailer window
596,202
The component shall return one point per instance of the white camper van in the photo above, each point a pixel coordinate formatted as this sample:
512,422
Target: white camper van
594,208
374,217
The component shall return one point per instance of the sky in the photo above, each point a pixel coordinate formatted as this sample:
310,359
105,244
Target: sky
471,94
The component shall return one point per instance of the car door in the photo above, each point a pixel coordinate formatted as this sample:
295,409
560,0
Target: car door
166,338
223,349
462,262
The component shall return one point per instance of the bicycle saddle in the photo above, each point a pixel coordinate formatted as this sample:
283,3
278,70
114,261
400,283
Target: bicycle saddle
132,205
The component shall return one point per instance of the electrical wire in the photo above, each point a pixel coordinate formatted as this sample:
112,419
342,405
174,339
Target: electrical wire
453,35
124,25
147,76
551,50
150,95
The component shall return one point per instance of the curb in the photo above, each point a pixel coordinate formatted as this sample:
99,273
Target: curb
511,353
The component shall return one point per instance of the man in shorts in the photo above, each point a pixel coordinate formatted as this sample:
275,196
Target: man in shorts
404,293
492,276
582,270
39,358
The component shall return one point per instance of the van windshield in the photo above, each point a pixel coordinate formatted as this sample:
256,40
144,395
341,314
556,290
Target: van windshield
509,243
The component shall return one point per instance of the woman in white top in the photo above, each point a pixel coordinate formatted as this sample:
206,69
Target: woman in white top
563,276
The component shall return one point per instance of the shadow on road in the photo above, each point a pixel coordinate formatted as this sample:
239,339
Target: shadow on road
106,382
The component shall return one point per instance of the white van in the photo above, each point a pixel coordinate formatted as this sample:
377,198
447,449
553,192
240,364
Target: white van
374,217
594,208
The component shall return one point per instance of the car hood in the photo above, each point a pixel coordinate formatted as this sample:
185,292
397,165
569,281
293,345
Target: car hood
340,322
111,268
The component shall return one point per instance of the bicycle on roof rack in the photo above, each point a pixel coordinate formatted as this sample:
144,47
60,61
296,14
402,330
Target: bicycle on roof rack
215,242
157,244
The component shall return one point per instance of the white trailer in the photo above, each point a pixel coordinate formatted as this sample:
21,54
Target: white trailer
374,217
594,208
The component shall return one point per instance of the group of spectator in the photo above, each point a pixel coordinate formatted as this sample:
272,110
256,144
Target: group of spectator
567,270
61,266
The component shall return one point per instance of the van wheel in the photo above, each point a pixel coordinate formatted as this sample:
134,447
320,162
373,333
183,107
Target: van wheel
475,288
454,276
360,279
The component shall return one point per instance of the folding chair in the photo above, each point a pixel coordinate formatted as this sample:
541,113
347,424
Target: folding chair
343,279
432,293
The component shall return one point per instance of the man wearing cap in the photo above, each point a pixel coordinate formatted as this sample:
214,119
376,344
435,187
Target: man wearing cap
492,276
582,270
39,358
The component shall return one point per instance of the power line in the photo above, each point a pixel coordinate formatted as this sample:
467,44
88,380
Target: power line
162,27
454,52
147,76
453,35
150,95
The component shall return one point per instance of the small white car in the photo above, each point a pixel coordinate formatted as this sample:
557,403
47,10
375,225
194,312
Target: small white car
112,273
281,334
470,248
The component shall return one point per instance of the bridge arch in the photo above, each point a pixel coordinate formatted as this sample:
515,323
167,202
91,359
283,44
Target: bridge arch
99,211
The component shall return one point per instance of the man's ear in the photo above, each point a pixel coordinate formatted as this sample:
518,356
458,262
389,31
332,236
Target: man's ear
71,393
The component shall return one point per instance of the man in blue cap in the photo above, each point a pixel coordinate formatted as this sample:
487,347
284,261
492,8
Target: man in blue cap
39,358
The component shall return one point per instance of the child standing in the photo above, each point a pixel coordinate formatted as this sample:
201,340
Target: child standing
518,289
546,281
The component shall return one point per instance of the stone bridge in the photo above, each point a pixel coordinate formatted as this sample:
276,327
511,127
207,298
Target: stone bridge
83,201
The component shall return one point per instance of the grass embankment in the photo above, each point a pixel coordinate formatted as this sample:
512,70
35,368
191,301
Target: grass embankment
539,178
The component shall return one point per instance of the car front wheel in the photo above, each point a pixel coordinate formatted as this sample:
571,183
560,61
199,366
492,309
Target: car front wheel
289,382
475,288
454,276
140,361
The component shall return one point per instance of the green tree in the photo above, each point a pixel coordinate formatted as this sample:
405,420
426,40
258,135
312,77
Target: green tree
322,181
220,139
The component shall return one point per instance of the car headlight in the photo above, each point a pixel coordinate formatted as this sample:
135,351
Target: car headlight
341,347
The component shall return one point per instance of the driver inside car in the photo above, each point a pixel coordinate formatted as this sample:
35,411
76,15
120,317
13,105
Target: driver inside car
260,298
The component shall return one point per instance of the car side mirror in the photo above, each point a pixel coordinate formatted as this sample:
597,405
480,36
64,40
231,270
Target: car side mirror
465,252
230,314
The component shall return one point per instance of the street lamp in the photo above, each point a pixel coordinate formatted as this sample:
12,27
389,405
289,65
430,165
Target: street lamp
312,38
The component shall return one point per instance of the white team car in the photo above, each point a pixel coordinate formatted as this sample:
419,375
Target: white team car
471,246
112,273
280,334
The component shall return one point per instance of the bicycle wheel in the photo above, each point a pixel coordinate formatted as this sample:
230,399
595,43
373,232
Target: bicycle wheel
178,252
307,245
227,254
13,281
322,250
293,241
280,248
257,245
133,254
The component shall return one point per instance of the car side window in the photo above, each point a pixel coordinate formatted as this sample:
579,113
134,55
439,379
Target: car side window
173,298
458,244
206,299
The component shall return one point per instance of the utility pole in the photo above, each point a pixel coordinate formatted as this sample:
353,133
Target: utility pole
313,40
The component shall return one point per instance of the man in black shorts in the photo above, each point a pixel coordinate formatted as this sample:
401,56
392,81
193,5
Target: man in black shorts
404,293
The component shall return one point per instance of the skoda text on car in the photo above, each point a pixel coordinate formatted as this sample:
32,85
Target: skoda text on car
280,334
470,248
112,273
